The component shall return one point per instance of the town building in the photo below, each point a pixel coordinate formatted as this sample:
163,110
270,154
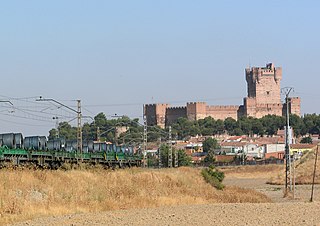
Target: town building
263,98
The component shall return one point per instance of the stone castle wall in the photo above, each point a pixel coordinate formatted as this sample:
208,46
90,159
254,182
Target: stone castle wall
263,98
223,112
295,105
173,113
156,114
196,110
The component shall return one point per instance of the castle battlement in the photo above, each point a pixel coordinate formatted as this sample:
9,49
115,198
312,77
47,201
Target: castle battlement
194,103
263,98
176,108
269,105
223,107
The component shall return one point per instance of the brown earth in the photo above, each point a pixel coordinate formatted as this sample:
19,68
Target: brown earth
210,214
283,211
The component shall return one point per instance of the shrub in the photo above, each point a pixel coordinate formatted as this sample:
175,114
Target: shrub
213,177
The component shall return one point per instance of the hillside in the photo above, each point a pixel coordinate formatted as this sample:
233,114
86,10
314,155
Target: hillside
303,170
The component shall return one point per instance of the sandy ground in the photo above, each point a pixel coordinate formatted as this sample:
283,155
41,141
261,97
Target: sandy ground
215,214
284,211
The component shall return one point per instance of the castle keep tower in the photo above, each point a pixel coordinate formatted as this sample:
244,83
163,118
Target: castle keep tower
263,85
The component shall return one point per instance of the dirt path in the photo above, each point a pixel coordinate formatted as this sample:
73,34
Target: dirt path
275,192
282,212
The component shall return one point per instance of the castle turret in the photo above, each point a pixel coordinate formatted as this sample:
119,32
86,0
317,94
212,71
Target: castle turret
196,110
156,114
264,84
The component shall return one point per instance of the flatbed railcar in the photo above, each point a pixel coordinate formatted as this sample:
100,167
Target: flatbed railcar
36,152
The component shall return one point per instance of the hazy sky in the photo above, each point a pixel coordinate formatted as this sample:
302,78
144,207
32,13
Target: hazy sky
117,55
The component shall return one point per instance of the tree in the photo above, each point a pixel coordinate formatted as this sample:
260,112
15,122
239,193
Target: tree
297,124
306,140
183,158
272,123
67,131
230,125
210,144
53,134
210,158
219,127
257,127
100,120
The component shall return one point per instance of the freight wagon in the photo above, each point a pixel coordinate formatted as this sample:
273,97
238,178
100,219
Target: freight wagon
37,150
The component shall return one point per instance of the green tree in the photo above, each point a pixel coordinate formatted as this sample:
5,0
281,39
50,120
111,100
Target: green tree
100,120
272,123
53,134
230,125
183,158
67,131
298,125
210,158
257,127
210,144
306,140
219,127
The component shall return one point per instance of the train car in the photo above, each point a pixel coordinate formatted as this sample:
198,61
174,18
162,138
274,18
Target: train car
37,150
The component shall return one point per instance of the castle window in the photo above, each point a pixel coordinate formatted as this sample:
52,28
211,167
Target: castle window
268,92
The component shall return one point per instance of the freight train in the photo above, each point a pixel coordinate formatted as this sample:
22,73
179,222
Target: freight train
38,151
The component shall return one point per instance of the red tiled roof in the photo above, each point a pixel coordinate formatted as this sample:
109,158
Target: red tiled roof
270,140
302,146
233,144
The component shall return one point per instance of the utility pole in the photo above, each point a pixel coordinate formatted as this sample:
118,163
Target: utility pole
57,125
314,173
176,158
98,133
287,146
294,175
170,149
159,154
145,140
79,130
79,116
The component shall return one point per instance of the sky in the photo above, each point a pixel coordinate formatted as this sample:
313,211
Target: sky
116,56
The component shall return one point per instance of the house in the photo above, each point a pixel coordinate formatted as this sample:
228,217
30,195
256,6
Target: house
234,139
232,148
277,155
254,150
194,147
300,149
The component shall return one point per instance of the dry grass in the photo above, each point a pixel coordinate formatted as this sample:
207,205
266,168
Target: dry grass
26,194
303,171
254,171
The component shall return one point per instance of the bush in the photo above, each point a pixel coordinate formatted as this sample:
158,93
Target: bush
213,177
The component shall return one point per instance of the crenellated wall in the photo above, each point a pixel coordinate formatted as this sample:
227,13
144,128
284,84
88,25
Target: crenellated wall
223,112
263,98
173,113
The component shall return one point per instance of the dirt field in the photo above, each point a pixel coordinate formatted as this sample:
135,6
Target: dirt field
283,211
214,214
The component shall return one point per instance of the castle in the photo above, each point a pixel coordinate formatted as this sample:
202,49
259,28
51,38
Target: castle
263,98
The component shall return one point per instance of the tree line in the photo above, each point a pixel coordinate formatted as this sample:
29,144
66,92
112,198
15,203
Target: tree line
183,128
